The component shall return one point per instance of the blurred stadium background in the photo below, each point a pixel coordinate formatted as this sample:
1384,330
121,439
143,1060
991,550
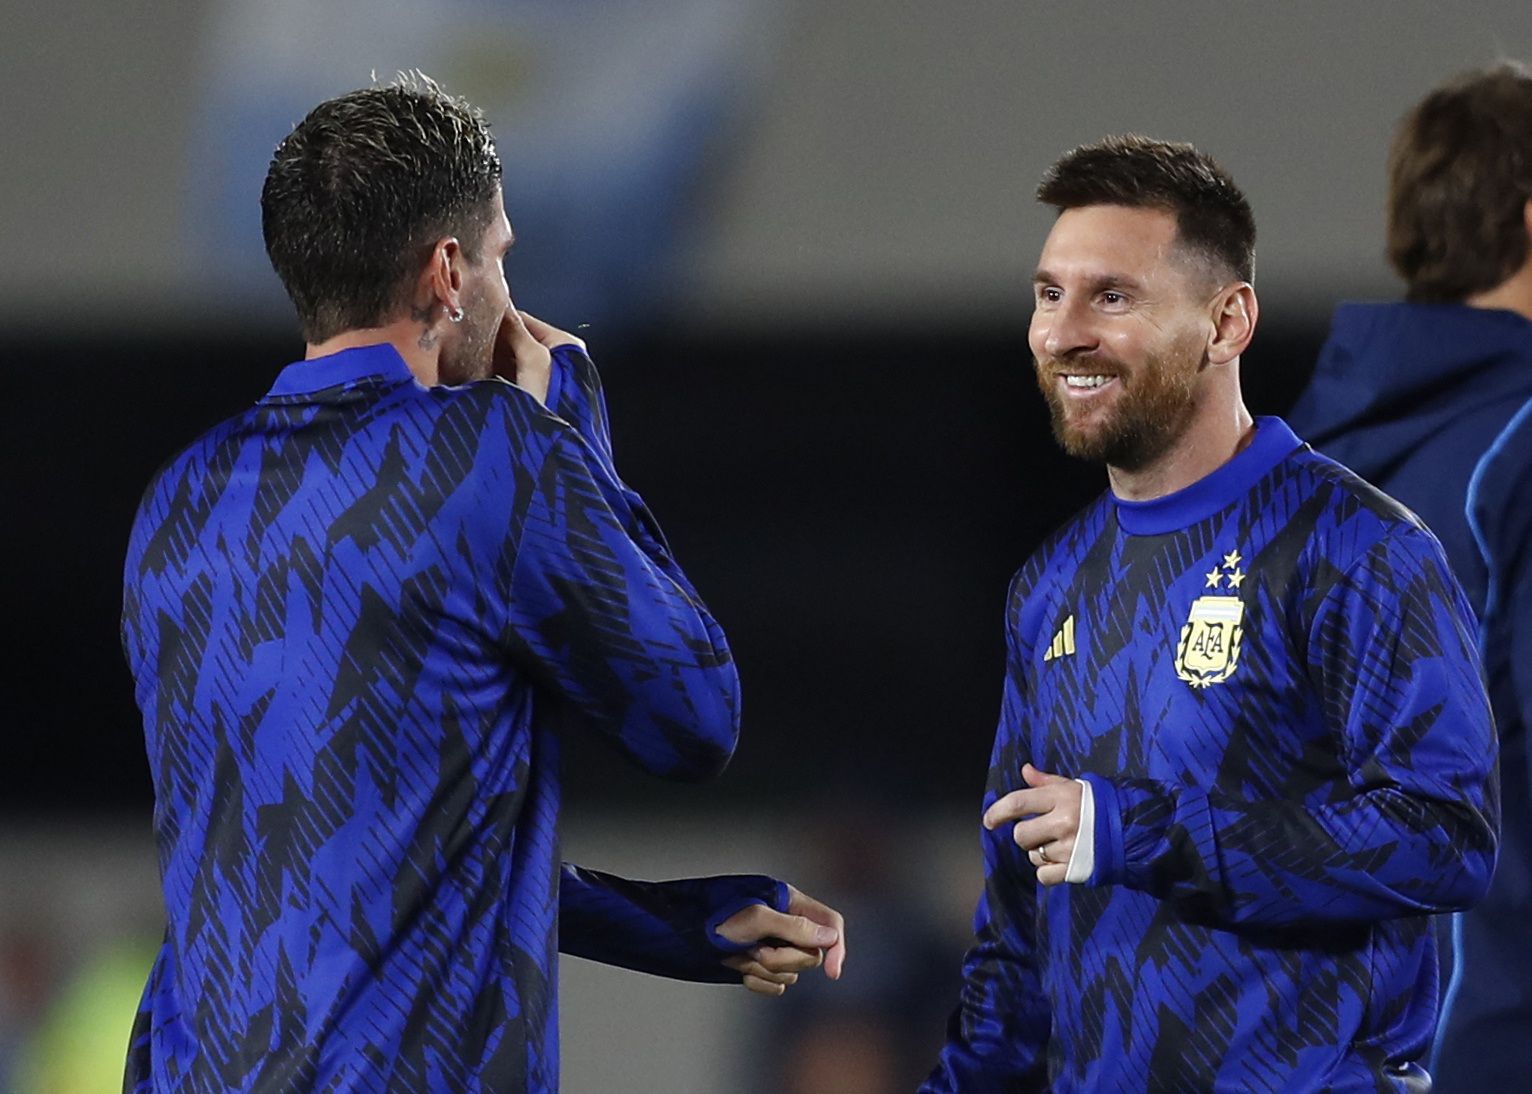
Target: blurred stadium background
798,237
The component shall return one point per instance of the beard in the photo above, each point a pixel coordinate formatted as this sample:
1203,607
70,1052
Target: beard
470,356
1147,416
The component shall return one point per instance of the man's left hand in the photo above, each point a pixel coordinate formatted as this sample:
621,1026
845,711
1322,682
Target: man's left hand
1051,808
807,935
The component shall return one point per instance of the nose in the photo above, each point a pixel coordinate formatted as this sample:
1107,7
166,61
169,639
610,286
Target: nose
1062,329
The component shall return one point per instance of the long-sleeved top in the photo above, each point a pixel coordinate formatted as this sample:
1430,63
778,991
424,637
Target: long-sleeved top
357,617
1433,403
1269,680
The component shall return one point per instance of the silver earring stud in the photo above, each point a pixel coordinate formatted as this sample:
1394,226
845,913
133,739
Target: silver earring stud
456,315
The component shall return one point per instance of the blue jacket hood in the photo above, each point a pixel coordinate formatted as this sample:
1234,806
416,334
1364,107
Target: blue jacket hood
1410,396
1392,376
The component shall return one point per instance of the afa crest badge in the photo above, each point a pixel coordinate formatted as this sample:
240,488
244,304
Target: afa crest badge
1208,652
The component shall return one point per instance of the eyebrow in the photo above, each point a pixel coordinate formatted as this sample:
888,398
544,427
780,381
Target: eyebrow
1099,283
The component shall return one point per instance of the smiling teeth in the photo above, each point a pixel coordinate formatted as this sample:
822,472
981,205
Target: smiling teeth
1086,381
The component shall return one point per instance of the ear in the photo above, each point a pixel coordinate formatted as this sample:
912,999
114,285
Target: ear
442,278
1234,312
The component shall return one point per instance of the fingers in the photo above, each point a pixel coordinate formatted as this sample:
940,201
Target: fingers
514,333
1052,875
747,965
759,922
548,334
763,987
1018,804
828,920
1055,830
807,935
788,958
758,978
514,323
805,940
1052,853
521,358
1044,792
744,926
1035,777
1008,807
1047,821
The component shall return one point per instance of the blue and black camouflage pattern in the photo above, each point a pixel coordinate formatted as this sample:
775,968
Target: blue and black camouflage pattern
1280,803
357,616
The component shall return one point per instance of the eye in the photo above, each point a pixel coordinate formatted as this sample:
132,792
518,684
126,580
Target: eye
1049,294
1112,300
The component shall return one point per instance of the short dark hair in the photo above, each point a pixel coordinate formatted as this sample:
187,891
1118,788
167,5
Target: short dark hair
359,189
1213,218
1459,177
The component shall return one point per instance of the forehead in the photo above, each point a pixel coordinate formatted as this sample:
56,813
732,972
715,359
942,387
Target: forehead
1096,239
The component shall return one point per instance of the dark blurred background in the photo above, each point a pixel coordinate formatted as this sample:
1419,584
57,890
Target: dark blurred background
852,505
798,238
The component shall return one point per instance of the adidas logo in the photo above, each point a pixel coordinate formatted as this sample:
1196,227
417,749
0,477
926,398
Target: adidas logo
1063,640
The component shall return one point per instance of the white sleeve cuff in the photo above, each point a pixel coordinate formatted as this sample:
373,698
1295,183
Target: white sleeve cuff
1082,860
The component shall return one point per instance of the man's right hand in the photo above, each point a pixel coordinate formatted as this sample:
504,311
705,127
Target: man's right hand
521,358
549,335
522,351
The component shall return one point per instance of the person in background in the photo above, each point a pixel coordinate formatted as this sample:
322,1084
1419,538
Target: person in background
1431,399
359,615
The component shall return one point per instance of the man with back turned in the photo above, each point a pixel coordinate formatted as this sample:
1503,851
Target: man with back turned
357,616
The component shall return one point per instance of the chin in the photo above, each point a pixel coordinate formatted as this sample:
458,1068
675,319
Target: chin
1080,433
1079,443
1089,449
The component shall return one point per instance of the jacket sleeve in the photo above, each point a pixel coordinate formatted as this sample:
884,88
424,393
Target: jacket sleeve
1411,828
997,1037
576,395
600,615
667,928
1509,627
1499,510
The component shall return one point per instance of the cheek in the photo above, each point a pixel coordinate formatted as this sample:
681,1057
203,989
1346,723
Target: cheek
1130,345
1181,348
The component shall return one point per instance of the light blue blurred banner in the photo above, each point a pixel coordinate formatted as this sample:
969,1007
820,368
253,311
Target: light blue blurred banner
608,117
